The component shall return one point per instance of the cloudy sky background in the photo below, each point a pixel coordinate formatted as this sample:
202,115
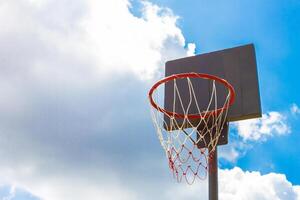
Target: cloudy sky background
75,121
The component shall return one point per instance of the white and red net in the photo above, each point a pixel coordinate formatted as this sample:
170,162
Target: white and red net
189,139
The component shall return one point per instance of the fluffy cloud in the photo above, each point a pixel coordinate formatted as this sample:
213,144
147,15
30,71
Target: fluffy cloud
236,184
244,134
88,40
271,124
232,152
74,96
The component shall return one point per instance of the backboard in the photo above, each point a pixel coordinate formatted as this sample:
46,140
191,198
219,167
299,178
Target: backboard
235,65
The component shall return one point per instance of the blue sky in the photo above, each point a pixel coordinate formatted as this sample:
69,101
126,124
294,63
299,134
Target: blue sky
75,121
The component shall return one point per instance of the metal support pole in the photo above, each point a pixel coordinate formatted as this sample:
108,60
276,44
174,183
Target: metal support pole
213,175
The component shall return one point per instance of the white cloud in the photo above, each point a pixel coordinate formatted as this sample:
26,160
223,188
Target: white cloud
254,130
235,149
90,40
230,152
117,41
295,109
236,184
74,96
191,49
271,124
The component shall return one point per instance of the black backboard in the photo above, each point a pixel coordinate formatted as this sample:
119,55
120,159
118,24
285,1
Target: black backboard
236,65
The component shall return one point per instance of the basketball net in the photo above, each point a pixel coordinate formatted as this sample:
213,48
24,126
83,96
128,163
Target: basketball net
180,135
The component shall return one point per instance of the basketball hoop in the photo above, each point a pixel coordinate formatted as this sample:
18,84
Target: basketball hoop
189,138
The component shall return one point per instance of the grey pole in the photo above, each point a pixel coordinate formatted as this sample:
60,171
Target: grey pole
213,175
